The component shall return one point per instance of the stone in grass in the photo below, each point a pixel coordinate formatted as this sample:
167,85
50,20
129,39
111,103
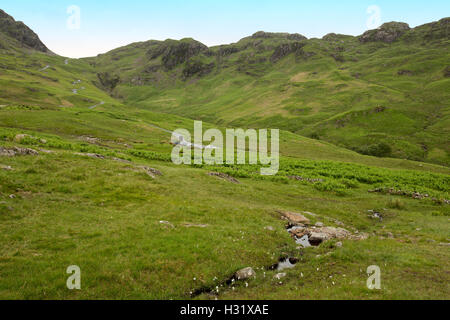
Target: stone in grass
245,274
20,137
7,168
153,173
224,176
193,225
295,218
167,223
279,276
16,151
91,155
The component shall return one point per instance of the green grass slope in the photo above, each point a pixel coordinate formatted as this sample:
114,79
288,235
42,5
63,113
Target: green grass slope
390,86
90,198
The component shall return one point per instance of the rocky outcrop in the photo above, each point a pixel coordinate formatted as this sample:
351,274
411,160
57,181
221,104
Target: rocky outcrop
447,72
173,53
393,191
20,32
178,52
227,50
198,68
439,30
388,33
107,80
285,49
16,151
269,35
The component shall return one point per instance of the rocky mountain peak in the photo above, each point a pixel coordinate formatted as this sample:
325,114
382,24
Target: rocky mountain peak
18,31
388,32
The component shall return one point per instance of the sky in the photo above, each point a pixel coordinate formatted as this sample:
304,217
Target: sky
82,28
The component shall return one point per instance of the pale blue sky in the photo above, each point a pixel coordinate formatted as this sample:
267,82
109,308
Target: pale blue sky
108,24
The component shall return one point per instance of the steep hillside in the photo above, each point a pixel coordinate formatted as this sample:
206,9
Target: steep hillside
385,93
16,34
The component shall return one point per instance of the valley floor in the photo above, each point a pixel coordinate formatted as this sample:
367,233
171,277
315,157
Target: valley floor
137,235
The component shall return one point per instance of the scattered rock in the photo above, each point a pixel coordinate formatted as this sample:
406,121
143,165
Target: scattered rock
151,171
294,218
91,155
21,137
279,276
405,73
298,231
12,196
298,178
304,241
46,151
270,228
310,213
167,223
224,176
7,168
392,191
16,151
375,215
284,264
441,201
245,274
314,236
121,160
319,224
191,225
380,109
339,244
91,140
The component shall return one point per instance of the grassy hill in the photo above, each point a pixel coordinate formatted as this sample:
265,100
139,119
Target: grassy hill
389,86
101,192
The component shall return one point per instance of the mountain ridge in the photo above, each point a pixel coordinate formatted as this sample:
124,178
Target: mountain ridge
18,31
351,91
